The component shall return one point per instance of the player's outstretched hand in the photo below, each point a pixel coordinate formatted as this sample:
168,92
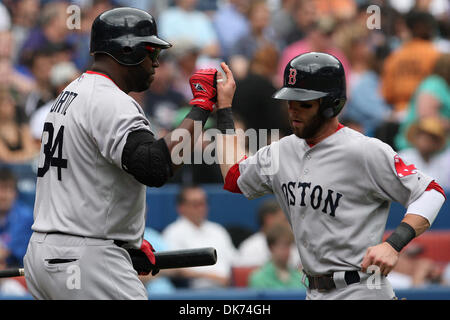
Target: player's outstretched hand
203,87
225,88
383,256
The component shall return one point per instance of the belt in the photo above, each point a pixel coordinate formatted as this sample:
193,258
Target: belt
119,243
326,282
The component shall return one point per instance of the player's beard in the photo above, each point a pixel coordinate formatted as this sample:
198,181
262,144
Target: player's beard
311,128
141,78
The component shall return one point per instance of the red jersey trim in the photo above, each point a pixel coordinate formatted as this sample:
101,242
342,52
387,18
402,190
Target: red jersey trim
233,175
101,74
339,127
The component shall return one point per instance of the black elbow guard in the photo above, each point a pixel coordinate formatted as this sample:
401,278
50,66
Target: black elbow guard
147,159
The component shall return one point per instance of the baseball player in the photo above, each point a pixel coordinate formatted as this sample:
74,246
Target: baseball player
334,184
98,155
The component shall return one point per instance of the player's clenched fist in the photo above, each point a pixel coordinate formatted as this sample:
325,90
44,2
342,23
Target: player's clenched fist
203,86
383,256
143,259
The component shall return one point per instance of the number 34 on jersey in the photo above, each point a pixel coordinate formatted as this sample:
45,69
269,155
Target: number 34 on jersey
53,140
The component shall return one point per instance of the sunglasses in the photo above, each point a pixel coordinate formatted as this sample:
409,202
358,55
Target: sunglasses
305,105
153,52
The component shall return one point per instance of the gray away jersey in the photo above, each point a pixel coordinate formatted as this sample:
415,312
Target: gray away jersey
336,194
81,186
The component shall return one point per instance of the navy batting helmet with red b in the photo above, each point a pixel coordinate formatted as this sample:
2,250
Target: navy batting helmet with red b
315,75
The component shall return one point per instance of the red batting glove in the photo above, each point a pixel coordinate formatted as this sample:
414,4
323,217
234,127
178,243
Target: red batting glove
148,249
143,259
203,86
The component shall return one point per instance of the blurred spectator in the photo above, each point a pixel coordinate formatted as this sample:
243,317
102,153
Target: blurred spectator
161,282
16,142
253,101
16,219
443,41
183,22
52,30
435,7
352,124
260,35
445,276
357,26
5,19
254,250
319,38
365,104
139,4
199,170
353,38
6,44
208,6
304,15
192,230
412,270
41,63
407,66
230,23
185,55
338,9
431,99
89,12
61,75
282,21
276,273
429,151
24,16
161,100
20,84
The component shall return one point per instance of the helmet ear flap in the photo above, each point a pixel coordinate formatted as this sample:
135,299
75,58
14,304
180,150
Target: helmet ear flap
328,112
331,106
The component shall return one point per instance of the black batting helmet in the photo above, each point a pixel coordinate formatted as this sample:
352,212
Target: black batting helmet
315,75
124,34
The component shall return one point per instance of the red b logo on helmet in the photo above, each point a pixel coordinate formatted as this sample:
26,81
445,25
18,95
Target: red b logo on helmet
292,76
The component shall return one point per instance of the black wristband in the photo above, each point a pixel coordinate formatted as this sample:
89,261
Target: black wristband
198,114
225,122
401,236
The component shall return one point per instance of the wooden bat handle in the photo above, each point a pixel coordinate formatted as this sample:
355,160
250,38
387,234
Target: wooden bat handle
164,260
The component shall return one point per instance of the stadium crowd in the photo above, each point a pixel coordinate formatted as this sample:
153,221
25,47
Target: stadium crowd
396,56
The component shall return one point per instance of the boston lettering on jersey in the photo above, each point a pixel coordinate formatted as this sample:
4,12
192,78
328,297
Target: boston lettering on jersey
63,102
304,193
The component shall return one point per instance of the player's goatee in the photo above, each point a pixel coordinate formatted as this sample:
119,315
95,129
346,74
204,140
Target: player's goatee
142,79
311,128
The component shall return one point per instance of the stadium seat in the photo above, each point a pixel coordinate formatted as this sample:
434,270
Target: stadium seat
240,275
434,245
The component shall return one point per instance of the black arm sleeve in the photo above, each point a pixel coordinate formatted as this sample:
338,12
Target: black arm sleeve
147,159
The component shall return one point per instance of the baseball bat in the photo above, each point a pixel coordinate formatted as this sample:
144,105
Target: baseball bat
163,260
